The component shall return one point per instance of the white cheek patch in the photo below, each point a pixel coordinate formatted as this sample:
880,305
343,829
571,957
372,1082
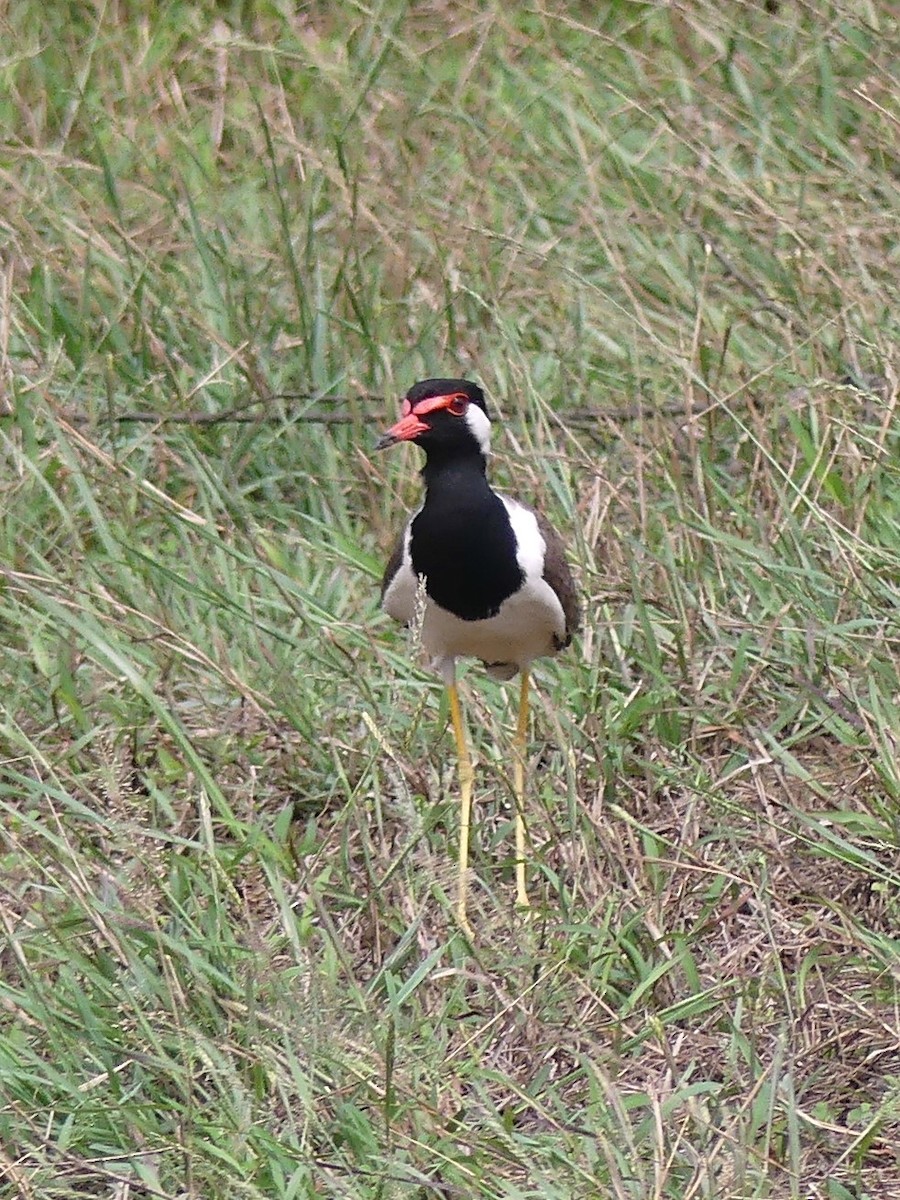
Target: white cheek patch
480,426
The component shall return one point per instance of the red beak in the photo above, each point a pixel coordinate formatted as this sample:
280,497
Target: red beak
408,427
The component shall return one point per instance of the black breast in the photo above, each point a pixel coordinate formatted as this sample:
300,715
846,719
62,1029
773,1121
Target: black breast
463,543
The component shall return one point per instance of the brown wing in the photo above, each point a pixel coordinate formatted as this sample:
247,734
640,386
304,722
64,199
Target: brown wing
558,575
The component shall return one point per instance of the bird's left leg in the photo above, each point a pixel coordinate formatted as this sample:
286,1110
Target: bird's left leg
521,751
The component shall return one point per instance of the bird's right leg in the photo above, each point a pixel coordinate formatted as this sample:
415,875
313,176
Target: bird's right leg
466,776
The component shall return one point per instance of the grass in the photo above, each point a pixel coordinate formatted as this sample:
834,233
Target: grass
664,238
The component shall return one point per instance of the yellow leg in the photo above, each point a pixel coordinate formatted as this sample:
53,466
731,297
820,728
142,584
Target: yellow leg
466,775
521,752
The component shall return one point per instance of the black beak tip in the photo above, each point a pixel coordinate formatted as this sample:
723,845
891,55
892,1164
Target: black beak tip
386,439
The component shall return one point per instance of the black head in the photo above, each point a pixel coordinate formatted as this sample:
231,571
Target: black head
443,416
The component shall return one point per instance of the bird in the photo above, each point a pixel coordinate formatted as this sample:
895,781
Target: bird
480,575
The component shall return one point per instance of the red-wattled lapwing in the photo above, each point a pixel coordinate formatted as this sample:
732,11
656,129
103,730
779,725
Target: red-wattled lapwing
487,574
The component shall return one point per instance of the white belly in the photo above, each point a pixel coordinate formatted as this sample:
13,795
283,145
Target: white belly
529,625
521,631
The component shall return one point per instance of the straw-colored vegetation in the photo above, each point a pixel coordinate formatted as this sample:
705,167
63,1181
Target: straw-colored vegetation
664,238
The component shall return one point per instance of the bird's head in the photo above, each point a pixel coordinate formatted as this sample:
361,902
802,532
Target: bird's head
443,416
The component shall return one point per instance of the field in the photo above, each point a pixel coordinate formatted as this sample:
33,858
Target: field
664,237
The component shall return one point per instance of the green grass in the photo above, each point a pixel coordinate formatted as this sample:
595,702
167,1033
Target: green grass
665,240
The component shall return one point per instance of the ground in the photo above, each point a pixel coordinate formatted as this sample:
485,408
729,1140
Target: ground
664,239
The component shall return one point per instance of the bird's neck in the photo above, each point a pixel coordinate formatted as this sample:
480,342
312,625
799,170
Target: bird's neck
450,473
461,540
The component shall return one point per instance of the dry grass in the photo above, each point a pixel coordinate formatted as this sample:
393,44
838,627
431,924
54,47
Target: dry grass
663,237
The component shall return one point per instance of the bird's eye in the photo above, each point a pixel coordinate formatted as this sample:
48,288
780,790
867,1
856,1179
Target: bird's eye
458,405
